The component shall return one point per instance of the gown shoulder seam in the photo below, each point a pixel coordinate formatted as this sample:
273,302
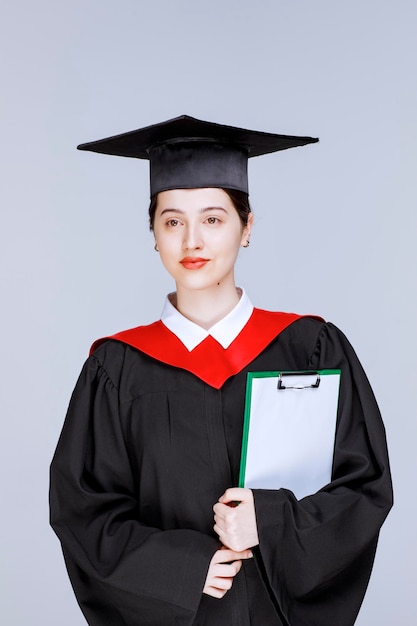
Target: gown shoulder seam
315,355
101,367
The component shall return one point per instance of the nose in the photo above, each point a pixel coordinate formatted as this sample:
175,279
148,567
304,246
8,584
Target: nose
192,238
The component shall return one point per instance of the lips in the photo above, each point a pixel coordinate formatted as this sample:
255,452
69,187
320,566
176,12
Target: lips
193,262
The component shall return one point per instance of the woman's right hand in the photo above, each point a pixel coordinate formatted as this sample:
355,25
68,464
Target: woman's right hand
223,567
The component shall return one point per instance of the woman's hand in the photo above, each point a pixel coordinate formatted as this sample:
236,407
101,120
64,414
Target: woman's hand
235,519
223,567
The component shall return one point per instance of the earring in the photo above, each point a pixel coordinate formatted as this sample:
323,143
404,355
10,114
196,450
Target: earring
156,247
247,243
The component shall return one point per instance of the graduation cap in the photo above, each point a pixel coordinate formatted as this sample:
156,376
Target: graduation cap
187,153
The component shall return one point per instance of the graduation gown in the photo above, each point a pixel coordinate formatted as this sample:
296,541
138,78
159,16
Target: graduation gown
148,447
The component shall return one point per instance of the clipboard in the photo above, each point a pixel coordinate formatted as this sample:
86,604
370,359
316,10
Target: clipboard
289,430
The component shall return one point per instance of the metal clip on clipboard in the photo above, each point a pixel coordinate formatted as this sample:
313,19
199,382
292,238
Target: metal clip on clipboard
283,375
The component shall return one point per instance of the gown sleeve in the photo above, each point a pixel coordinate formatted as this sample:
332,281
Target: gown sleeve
316,554
122,572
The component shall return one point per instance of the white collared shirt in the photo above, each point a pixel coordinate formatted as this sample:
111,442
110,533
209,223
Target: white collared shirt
224,331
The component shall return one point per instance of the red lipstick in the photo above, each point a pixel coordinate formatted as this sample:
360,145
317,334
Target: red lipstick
193,262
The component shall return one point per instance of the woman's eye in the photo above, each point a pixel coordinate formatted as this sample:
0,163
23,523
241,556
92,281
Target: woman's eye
172,223
212,220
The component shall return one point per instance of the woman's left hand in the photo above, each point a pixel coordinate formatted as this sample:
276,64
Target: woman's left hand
235,519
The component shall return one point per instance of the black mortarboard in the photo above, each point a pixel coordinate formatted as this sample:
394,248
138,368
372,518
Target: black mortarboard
186,153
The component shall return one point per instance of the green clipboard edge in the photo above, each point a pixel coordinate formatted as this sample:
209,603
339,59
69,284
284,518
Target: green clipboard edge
248,400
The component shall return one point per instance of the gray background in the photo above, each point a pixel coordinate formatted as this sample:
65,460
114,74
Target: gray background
335,222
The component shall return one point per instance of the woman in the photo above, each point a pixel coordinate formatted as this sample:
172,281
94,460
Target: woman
144,494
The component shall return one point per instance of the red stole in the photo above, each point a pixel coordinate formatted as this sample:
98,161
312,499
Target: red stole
209,361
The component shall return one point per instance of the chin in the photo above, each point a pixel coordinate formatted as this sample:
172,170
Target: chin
199,283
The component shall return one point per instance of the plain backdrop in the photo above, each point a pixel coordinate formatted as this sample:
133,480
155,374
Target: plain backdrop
335,222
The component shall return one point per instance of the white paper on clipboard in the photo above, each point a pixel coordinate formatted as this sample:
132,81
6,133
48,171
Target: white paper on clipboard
288,439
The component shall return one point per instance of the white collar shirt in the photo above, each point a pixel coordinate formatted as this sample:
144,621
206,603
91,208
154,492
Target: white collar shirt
224,331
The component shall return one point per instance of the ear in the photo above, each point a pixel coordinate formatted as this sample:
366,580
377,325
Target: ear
247,231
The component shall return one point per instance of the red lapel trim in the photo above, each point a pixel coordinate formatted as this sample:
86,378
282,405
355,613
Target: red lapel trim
209,361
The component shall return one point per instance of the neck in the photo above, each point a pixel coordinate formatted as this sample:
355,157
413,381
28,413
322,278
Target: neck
206,308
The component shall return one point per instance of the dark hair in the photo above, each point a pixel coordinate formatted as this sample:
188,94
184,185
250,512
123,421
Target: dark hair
240,201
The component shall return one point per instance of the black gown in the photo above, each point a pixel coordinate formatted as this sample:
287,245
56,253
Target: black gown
148,448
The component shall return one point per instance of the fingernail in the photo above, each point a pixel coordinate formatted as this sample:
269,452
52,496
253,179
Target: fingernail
250,554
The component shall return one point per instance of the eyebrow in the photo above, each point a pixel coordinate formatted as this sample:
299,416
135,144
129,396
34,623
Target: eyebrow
205,210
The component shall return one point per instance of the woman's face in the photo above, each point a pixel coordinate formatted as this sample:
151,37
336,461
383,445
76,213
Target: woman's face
198,233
